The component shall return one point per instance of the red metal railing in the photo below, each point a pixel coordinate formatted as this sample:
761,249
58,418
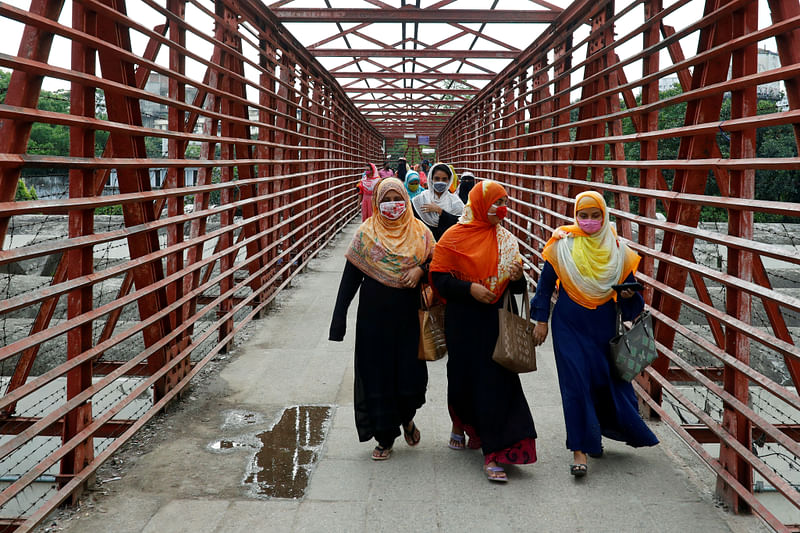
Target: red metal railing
583,104
106,318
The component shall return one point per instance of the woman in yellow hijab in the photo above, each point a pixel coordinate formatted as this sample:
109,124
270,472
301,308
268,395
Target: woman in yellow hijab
584,260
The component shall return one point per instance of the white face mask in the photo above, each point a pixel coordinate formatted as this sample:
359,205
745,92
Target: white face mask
393,210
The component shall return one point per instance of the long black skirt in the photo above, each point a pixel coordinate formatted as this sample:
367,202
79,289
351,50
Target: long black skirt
390,381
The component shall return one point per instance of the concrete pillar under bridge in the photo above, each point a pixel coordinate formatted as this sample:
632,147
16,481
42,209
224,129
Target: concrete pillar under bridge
199,467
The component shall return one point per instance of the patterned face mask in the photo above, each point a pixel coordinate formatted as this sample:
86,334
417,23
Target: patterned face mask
393,210
440,186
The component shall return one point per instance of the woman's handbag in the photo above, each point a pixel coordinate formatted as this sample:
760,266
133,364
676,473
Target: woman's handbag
432,346
633,349
515,348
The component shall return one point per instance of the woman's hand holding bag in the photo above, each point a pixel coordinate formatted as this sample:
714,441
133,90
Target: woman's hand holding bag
634,348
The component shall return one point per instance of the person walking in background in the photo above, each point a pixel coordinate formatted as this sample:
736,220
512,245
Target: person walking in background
386,171
366,186
388,256
453,188
586,259
474,264
424,166
412,184
466,185
402,168
437,207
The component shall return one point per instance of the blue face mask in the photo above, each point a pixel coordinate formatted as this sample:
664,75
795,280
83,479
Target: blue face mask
440,186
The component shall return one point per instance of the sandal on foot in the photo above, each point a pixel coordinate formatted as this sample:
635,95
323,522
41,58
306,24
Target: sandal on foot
412,436
380,453
495,473
578,470
456,442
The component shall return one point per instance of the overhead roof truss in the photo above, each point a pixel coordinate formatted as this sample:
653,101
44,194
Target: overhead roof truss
388,77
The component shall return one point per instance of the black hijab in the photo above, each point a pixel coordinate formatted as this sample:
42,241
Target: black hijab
466,185
401,170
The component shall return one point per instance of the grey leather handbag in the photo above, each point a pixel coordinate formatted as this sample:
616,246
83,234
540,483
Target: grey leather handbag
632,350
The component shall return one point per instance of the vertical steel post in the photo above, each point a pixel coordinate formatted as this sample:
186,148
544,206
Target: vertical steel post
744,103
81,224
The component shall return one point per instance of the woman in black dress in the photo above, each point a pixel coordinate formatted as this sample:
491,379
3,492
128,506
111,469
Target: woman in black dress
389,255
474,264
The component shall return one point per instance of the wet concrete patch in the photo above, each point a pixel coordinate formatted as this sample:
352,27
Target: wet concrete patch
237,418
285,455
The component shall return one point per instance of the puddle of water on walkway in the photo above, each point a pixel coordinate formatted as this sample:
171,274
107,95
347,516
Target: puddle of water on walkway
236,418
286,454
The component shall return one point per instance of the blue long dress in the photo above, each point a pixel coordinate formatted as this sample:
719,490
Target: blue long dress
596,403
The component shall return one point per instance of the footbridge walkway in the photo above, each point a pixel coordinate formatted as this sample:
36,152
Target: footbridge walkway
164,301
201,471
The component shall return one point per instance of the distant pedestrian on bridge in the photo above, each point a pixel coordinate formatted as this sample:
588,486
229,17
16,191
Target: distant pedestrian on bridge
437,207
474,264
424,167
587,258
466,185
413,184
365,189
389,255
386,171
402,168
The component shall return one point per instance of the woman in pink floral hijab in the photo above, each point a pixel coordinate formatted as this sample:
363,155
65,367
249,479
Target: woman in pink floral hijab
386,260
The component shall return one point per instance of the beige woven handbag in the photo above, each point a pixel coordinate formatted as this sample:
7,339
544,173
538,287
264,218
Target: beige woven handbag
432,345
515,348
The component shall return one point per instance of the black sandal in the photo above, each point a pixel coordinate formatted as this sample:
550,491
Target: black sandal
578,470
380,453
412,436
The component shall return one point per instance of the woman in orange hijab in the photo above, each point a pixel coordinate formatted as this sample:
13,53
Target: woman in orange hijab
388,255
474,264
584,260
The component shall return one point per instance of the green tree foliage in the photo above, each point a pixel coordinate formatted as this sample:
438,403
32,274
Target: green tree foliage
771,142
24,193
53,139
109,210
397,150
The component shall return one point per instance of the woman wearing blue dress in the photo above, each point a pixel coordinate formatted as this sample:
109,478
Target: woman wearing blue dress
584,260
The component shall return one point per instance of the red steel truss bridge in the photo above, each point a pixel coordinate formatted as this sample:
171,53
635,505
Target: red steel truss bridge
190,157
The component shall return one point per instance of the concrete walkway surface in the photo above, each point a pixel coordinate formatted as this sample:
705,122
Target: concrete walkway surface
182,480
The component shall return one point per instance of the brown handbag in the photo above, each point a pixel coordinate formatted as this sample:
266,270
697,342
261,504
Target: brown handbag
516,347
432,346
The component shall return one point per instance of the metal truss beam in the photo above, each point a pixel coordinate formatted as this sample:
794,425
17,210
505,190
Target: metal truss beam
418,54
414,76
411,14
400,90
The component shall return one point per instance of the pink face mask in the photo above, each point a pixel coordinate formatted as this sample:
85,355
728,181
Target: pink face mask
393,210
590,225
500,212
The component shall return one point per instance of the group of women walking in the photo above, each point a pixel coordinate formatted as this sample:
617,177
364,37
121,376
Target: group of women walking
457,244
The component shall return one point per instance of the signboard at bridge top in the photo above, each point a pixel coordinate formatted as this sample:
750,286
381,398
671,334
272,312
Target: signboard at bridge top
424,139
